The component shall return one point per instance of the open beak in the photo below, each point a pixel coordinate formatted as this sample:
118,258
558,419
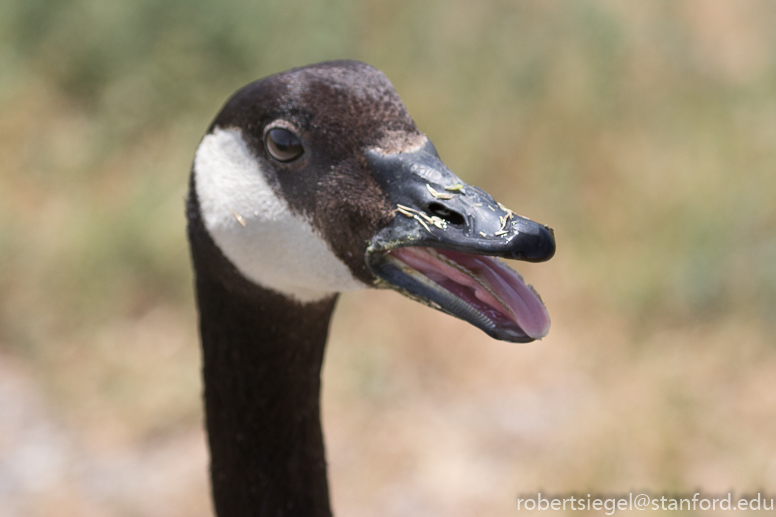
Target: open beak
443,244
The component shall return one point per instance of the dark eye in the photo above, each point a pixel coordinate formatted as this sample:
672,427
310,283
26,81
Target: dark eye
283,145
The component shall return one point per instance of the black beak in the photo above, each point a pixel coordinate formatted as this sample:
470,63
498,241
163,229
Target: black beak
433,208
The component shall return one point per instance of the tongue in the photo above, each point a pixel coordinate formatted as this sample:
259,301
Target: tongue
523,306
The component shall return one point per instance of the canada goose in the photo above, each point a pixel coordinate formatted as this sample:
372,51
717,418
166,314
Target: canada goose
308,183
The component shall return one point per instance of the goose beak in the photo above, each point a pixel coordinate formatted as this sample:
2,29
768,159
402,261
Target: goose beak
443,244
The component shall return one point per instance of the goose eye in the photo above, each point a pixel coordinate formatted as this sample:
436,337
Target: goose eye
283,145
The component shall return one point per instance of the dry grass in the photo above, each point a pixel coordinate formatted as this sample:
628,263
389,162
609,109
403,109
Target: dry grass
643,132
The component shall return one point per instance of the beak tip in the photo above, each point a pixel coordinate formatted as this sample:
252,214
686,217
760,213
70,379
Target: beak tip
533,243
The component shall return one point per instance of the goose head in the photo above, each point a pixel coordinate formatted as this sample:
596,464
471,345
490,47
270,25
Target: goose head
317,181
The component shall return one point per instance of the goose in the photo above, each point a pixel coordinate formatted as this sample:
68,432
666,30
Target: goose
307,184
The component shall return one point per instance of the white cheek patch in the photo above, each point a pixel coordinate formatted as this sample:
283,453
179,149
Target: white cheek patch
256,229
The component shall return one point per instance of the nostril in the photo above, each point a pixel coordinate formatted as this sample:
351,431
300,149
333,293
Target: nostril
441,211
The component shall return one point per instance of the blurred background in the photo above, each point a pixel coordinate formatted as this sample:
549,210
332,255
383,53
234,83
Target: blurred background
643,132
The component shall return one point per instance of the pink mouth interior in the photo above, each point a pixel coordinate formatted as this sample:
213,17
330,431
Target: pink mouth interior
484,283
